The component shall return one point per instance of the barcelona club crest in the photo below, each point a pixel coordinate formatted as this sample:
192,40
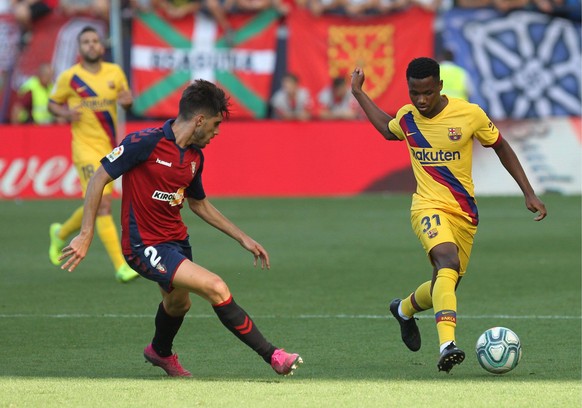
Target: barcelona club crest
455,134
432,233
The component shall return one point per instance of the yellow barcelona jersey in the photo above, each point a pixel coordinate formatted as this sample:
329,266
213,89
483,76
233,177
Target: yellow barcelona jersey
96,95
441,153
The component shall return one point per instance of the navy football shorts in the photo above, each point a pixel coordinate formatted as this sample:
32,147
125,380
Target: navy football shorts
160,262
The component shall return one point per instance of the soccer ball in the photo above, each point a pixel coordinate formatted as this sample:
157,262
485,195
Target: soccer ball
498,350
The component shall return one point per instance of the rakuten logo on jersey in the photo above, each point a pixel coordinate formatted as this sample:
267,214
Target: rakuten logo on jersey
432,156
173,198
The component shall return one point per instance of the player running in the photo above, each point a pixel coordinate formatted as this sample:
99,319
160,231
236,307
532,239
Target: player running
86,95
161,167
439,132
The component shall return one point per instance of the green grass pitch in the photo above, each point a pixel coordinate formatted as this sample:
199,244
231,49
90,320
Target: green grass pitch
75,340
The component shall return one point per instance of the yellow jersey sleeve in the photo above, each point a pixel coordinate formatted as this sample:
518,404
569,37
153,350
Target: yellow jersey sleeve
485,131
61,92
394,125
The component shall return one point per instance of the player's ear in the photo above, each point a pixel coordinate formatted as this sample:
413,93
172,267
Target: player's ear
198,119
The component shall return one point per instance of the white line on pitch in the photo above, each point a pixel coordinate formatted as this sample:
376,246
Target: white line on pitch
301,316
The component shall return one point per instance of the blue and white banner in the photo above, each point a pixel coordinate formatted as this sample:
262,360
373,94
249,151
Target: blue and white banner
523,65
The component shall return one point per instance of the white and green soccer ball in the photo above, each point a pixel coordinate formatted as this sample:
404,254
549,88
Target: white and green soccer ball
498,350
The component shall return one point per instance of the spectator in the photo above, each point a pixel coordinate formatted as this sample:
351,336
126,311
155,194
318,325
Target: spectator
291,101
337,102
428,5
388,6
358,8
456,80
319,7
255,6
144,6
31,105
93,8
26,12
176,9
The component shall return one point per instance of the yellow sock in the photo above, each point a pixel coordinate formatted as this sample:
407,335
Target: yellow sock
445,304
73,224
108,235
418,301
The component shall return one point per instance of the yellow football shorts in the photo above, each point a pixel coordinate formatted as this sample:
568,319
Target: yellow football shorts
433,227
85,170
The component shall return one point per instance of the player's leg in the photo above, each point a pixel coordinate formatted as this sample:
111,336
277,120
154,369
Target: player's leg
450,260
58,234
404,311
211,287
169,319
421,299
418,301
108,235
104,223
447,266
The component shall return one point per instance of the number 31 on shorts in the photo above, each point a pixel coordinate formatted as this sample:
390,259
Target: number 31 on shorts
429,222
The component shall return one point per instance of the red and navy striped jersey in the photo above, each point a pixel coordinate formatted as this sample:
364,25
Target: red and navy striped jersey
157,176
441,153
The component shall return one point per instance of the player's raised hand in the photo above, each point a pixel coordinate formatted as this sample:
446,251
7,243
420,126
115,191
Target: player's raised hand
75,252
258,251
358,78
534,204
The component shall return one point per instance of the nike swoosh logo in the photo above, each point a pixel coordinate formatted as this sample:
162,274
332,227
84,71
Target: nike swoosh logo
80,89
408,134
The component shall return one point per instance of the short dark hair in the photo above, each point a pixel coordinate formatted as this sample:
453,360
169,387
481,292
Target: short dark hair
291,76
423,67
87,29
202,96
337,82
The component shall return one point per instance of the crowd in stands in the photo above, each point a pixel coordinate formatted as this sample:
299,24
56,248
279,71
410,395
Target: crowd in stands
291,101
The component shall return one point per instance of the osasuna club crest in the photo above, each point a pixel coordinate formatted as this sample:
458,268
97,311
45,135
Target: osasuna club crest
455,134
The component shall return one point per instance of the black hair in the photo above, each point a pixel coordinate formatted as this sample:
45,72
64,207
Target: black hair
423,67
86,29
337,82
202,96
447,55
291,76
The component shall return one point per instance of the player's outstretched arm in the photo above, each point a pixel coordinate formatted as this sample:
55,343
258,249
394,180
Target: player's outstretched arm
78,247
205,210
511,163
376,116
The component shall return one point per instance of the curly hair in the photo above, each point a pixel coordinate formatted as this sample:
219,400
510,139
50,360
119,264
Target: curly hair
202,96
423,67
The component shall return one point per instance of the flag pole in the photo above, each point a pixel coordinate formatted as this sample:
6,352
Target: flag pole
116,43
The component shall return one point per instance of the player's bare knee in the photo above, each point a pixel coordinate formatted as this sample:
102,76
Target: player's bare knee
445,256
178,307
452,262
217,290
